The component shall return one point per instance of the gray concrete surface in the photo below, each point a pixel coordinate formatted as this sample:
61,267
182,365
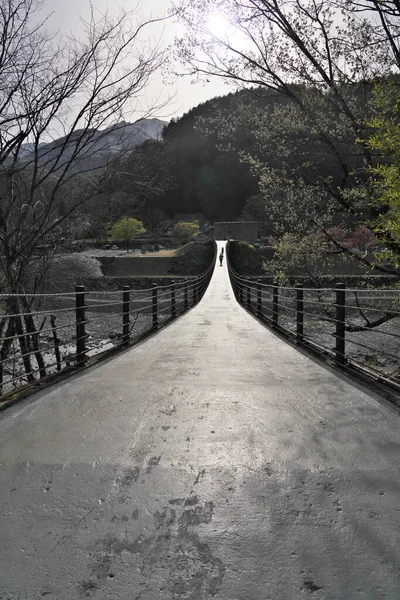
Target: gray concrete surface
211,461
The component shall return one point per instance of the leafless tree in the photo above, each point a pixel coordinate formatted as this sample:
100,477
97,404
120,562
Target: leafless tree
315,52
276,43
64,91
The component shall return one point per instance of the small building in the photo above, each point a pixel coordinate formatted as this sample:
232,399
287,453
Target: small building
245,231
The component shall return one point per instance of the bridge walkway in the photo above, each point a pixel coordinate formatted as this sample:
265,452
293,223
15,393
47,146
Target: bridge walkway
210,461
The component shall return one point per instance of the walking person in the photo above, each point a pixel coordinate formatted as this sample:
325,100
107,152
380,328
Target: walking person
221,258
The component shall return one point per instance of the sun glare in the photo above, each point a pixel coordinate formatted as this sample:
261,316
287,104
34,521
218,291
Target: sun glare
218,25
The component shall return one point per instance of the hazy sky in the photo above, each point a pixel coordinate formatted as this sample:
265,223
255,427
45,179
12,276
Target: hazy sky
185,94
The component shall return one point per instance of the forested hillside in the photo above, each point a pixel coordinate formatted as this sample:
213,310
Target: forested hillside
252,155
186,172
206,161
204,177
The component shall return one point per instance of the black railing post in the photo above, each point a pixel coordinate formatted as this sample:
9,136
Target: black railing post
248,299
80,308
259,311
173,299
275,303
240,287
185,293
299,312
155,306
340,291
125,313
56,341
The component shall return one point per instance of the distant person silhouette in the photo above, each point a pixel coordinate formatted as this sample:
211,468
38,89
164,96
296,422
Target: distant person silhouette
221,258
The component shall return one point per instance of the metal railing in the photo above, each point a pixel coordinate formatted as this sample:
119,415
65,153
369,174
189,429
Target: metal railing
357,327
42,334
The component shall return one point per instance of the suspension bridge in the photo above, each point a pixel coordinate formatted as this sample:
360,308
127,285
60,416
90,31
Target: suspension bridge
211,460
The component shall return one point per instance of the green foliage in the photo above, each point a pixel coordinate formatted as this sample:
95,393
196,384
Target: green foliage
300,255
315,255
385,140
185,231
245,258
126,229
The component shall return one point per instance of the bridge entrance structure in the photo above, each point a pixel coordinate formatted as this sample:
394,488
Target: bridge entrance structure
245,231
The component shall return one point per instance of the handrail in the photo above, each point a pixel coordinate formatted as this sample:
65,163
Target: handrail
40,337
350,326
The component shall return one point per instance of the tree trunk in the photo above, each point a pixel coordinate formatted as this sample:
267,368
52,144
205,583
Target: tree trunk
34,335
19,330
56,341
5,348
30,326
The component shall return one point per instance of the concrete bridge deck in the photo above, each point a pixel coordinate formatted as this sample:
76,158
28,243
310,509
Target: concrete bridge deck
211,461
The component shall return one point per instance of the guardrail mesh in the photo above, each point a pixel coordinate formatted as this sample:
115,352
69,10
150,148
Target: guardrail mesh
41,334
357,327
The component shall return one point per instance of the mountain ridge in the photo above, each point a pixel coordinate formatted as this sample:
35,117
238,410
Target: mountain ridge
98,144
